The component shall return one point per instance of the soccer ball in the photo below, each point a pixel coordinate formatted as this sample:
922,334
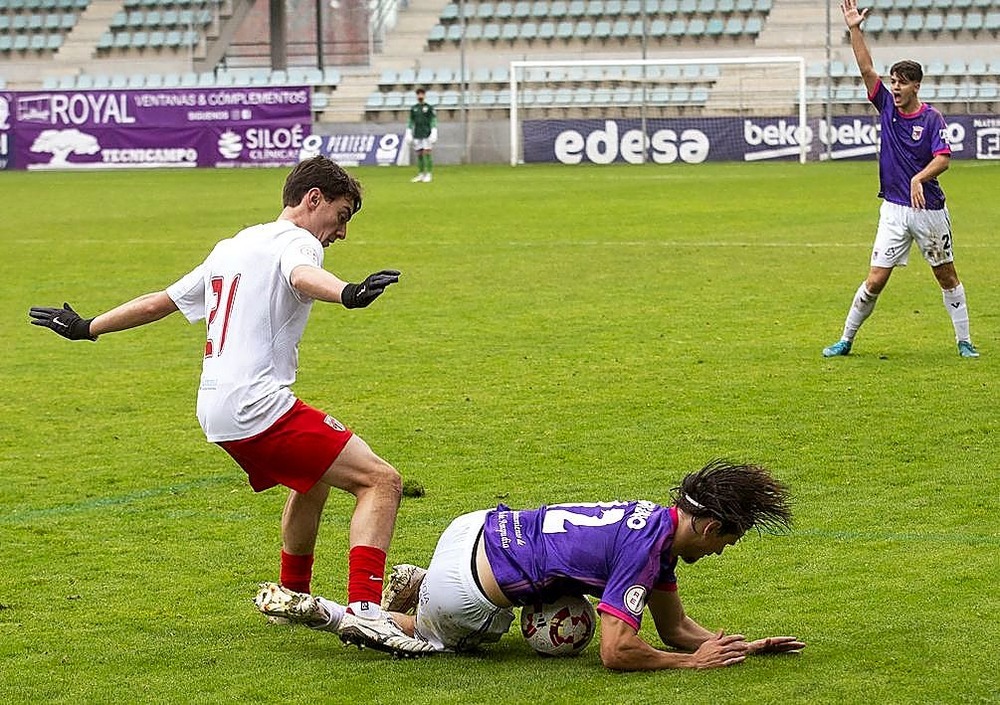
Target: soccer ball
562,627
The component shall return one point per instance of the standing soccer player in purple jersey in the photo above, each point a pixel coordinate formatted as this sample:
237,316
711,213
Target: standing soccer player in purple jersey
624,553
914,152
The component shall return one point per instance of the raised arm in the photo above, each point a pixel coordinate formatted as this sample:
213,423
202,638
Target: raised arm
854,17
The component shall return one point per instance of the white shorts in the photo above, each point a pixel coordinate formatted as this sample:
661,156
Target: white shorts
453,614
898,228
423,145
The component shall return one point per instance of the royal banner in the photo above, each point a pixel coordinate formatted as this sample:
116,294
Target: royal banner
696,140
175,128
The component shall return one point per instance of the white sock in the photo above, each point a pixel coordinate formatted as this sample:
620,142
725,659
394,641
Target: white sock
368,610
861,309
332,611
954,303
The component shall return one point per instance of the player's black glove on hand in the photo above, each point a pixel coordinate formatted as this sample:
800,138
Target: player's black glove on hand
64,321
360,295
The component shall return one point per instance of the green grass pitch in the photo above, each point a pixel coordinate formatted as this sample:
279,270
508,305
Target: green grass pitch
558,334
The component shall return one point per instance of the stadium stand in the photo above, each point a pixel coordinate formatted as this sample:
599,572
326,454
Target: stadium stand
81,44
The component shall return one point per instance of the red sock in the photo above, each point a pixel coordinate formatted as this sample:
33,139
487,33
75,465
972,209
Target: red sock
296,571
365,571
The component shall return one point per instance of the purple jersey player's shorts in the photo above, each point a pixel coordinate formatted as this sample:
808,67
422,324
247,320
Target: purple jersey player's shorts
901,226
452,613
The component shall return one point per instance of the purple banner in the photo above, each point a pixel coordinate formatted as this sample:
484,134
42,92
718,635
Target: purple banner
197,127
365,149
695,140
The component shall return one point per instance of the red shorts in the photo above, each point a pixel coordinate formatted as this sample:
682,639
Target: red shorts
295,451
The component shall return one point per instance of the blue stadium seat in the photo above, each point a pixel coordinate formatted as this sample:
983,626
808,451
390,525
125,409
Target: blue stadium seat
527,31
584,30
84,82
602,30
504,11
510,31
632,8
455,33
540,9
522,10
753,27
154,80
714,27
449,13
485,11
577,9
612,8
621,29
595,8
172,80
491,31
450,99
696,28
934,23
375,101
914,23
676,29
564,31
547,31
437,34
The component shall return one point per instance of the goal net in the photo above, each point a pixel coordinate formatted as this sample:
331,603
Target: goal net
659,110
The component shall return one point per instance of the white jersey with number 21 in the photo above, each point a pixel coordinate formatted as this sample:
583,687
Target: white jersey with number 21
255,320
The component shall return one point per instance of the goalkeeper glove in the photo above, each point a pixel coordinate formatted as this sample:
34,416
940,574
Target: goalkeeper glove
434,135
408,137
360,295
64,321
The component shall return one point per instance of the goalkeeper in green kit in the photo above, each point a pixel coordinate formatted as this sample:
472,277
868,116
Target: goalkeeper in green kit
421,130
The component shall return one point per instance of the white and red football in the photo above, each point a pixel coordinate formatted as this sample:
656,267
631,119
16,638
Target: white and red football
563,627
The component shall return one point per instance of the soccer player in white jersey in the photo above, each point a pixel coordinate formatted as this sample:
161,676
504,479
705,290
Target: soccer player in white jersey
914,152
255,291
624,553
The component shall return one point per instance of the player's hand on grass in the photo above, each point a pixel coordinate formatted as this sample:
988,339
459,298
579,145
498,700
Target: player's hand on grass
64,321
776,645
360,295
721,650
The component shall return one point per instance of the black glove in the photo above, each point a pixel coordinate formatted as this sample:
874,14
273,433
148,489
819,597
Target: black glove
360,295
64,321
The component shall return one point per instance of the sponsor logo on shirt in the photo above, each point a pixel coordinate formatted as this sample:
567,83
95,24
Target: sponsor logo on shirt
333,423
635,599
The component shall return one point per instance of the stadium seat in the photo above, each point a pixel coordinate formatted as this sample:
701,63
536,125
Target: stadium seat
714,28
992,22
632,8
540,9
612,8
547,31
602,30
934,23
504,11
154,80
577,9
485,11
696,28
320,100
425,76
522,10
375,101
564,31
473,32
753,27
172,80
84,82
584,30
449,13
102,81
676,29
510,31
455,33
595,8
437,34
621,29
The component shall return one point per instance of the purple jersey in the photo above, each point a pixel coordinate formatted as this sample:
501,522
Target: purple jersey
617,551
909,143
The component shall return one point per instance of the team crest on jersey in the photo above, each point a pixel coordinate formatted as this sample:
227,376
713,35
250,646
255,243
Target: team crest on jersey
917,131
333,423
310,253
635,599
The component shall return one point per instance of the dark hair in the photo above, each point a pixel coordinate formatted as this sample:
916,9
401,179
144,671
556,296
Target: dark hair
909,71
420,89
326,175
741,497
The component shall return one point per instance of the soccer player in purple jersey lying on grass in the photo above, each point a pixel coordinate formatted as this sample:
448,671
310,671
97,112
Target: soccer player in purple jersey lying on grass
624,553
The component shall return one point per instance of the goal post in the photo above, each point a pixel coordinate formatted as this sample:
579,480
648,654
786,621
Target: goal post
641,90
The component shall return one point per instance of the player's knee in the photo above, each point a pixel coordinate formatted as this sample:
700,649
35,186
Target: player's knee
386,478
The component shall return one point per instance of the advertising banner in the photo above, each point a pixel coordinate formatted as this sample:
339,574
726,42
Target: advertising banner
178,128
367,149
696,140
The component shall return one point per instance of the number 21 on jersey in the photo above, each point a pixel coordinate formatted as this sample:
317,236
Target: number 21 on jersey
219,326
